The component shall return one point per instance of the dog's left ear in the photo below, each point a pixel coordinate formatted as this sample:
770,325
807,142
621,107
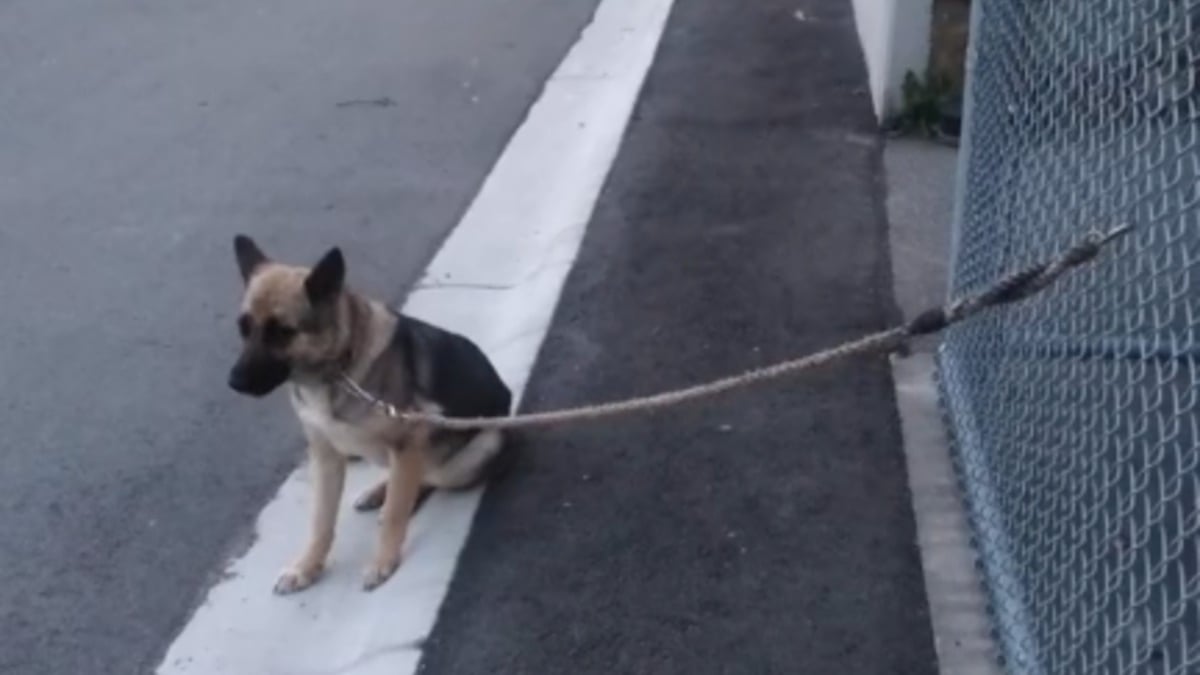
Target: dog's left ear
325,280
249,256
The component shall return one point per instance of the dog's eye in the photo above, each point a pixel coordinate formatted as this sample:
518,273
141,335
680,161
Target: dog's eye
244,325
277,334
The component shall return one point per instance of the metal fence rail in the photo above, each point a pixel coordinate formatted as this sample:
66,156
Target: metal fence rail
1076,415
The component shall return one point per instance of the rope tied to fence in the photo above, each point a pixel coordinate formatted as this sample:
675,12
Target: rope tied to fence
1009,289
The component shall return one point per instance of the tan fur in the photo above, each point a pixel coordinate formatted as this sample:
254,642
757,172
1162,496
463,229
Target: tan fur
277,291
348,337
377,438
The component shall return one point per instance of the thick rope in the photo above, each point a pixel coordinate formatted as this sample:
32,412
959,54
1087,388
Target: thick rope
1011,288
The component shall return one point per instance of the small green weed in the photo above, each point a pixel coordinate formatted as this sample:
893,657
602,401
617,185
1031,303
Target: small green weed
925,100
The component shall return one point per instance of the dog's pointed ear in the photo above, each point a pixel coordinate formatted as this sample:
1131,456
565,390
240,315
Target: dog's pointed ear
325,280
249,256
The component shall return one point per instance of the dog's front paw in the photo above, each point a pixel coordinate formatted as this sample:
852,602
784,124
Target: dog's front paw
379,572
296,579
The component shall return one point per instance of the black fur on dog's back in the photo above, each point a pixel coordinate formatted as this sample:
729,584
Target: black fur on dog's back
451,371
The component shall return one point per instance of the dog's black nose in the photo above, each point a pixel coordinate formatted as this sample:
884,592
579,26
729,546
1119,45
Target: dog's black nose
239,382
257,376
236,381
250,386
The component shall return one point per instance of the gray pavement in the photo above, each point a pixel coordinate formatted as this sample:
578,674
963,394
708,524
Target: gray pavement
769,531
135,139
921,181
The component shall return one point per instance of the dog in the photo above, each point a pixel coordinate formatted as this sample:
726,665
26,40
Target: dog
304,328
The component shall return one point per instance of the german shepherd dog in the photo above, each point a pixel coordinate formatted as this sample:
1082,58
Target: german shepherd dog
303,327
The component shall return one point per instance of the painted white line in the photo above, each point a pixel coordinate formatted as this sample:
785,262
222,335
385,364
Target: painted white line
496,279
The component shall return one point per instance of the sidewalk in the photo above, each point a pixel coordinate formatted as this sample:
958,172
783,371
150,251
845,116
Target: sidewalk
769,531
921,178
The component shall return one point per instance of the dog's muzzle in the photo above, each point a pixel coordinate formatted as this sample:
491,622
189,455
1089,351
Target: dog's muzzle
258,374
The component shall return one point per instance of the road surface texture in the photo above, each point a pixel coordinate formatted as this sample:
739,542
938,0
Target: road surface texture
135,139
769,531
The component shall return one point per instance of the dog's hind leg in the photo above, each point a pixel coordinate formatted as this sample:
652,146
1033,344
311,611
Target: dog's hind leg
473,464
372,499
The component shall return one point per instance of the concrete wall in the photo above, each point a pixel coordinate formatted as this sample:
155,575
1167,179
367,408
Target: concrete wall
895,39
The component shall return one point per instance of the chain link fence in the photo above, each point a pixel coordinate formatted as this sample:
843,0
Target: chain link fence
1076,415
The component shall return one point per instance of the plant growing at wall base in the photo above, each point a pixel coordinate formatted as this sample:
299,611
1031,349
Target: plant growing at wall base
929,107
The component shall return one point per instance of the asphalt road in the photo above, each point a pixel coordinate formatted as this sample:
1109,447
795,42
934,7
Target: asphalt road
135,139
770,531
